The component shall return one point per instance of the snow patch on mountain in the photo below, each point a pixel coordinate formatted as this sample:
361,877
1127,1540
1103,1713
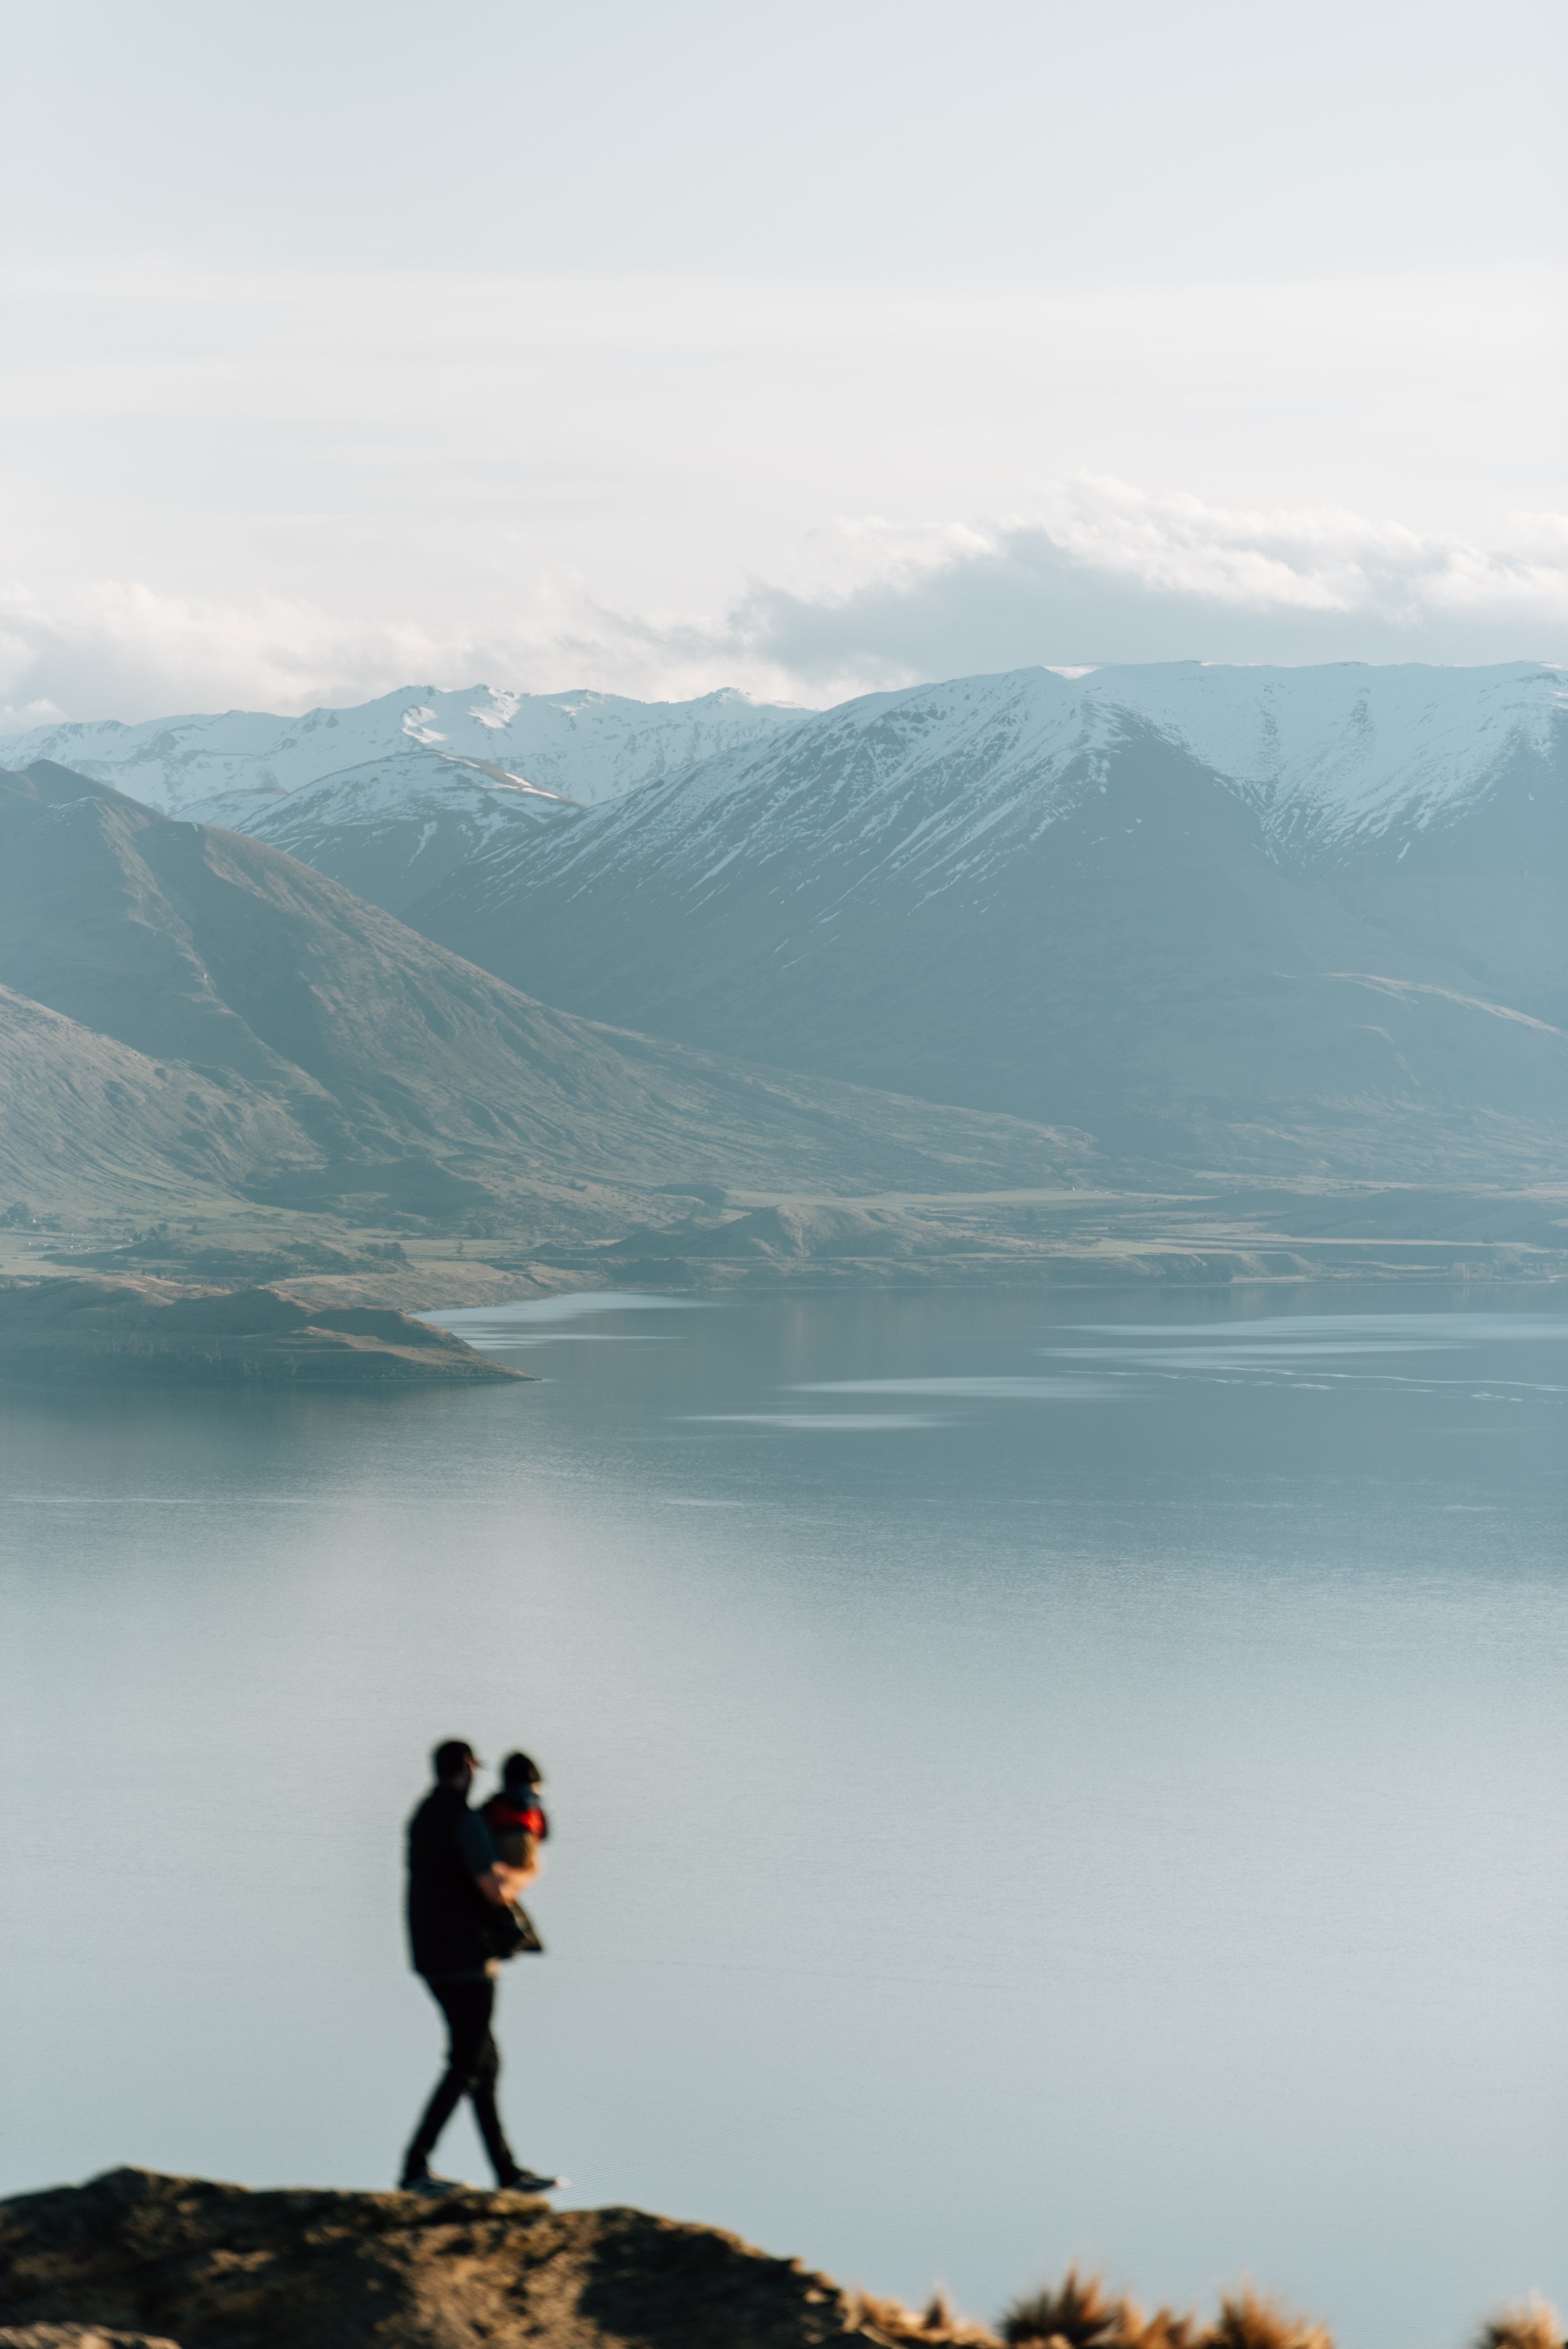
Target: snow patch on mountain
583,746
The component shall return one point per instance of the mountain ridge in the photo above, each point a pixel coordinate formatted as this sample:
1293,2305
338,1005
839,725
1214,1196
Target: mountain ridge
395,827
582,745
1346,766
1013,890
202,1004
1031,896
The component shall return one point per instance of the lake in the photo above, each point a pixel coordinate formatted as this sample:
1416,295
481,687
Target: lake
1034,1778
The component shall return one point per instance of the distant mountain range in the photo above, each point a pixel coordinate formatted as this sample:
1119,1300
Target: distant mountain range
1276,922
579,745
391,797
1265,924
188,1017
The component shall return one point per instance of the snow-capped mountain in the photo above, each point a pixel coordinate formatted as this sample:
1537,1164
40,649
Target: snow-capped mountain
581,746
1137,900
1256,919
1330,758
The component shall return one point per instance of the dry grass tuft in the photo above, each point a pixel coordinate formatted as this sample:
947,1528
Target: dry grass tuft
1245,2322
1076,2313
1163,2329
936,2326
1531,2326
1080,2313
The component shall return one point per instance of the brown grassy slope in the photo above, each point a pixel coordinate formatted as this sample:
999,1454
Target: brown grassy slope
88,1123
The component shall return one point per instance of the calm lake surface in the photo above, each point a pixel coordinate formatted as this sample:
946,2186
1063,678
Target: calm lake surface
1032,1780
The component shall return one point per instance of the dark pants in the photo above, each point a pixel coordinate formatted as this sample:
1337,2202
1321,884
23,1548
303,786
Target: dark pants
473,2066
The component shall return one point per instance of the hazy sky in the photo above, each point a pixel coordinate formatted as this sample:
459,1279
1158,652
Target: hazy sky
664,346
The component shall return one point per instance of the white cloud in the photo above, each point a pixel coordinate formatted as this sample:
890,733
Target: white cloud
1097,571
261,488
125,651
1103,572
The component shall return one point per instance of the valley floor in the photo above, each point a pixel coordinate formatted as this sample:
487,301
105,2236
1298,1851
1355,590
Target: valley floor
747,1240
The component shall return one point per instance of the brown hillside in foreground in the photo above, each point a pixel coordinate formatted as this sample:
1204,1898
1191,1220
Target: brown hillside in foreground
218,2267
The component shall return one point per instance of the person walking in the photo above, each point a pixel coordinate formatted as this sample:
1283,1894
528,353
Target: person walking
460,1916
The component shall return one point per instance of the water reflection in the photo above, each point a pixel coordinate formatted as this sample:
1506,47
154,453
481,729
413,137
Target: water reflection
806,1422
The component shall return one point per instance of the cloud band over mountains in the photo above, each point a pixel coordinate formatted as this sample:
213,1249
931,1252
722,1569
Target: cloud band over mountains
1109,574
1097,572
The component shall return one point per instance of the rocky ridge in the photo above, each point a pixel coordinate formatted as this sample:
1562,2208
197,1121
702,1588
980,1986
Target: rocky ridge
137,2260
217,2267
76,2336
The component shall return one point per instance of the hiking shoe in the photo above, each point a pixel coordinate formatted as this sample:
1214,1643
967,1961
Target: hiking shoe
427,2182
528,2181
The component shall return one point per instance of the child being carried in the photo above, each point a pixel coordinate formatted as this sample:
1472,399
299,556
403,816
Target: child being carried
515,1816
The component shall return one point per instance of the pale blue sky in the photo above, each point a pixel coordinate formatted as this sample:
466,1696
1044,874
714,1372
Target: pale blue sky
661,345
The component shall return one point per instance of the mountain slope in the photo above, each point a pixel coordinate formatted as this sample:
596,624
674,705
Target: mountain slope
88,1120
1046,895
239,1020
584,745
392,829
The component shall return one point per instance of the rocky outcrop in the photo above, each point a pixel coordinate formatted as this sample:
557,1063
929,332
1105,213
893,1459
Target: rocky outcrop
217,2267
134,2261
136,1332
75,2337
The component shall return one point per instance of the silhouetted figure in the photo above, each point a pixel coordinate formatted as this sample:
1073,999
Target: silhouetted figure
460,1924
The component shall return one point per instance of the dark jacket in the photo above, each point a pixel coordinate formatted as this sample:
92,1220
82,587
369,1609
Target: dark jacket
451,1928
